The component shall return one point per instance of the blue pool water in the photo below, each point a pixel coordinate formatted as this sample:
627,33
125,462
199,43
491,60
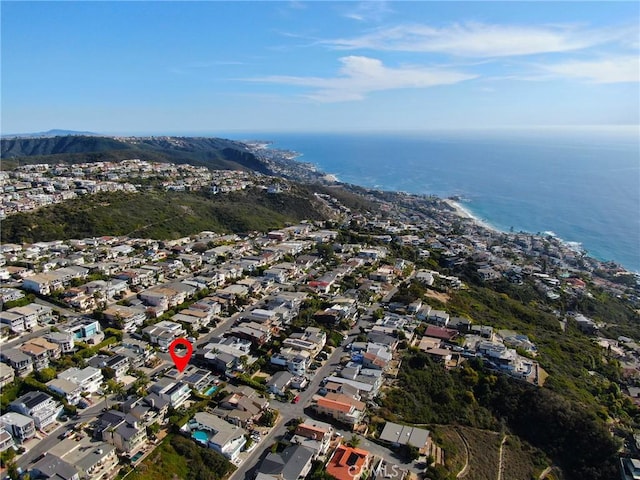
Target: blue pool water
200,436
211,390
136,457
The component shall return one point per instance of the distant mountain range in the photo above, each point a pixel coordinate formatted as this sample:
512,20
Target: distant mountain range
215,153
49,133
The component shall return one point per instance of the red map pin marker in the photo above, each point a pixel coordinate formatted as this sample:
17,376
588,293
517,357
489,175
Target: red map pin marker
181,362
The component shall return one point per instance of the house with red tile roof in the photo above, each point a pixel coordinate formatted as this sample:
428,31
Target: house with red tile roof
348,463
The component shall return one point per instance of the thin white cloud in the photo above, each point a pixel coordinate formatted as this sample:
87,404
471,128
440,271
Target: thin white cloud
618,69
369,11
480,40
359,76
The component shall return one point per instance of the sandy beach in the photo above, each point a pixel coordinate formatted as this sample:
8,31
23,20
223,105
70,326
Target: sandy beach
330,178
464,213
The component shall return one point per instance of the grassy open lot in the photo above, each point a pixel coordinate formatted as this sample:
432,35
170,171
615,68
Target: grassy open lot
483,453
163,463
181,458
521,460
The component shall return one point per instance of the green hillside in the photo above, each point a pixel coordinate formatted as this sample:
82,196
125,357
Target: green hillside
162,215
216,153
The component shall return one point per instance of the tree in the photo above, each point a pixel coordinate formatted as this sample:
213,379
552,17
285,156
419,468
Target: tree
410,452
45,375
354,441
12,470
269,417
7,456
115,387
153,429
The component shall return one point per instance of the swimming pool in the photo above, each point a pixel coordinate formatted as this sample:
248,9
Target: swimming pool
200,436
136,457
210,391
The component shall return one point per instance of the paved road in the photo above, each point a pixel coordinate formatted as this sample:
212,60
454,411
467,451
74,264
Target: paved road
71,314
37,332
288,411
84,416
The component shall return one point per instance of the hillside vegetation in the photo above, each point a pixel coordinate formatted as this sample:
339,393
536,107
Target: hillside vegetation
178,457
216,153
162,215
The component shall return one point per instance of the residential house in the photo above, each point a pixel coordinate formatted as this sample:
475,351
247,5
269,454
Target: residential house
40,351
438,317
425,277
89,379
85,330
137,277
124,318
97,463
38,405
396,435
463,325
53,467
163,333
7,375
14,321
440,355
192,320
217,434
380,338
26,317
365,389
348,463
252,331
197,378
18,360
279,382
226,363
137,352
45,283
176,393
295,361
586,325
446,334
314,435
148,410
376,358
64,339
242,407
385,274
122,431
209,305
341,408
293,463
262,316
71,391
6,440
21,427
498,354
385,470
113,366
484,331
312,340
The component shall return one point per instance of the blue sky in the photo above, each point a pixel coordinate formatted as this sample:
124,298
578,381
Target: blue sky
189,67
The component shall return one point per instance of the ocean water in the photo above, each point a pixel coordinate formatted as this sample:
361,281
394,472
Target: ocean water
582,185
